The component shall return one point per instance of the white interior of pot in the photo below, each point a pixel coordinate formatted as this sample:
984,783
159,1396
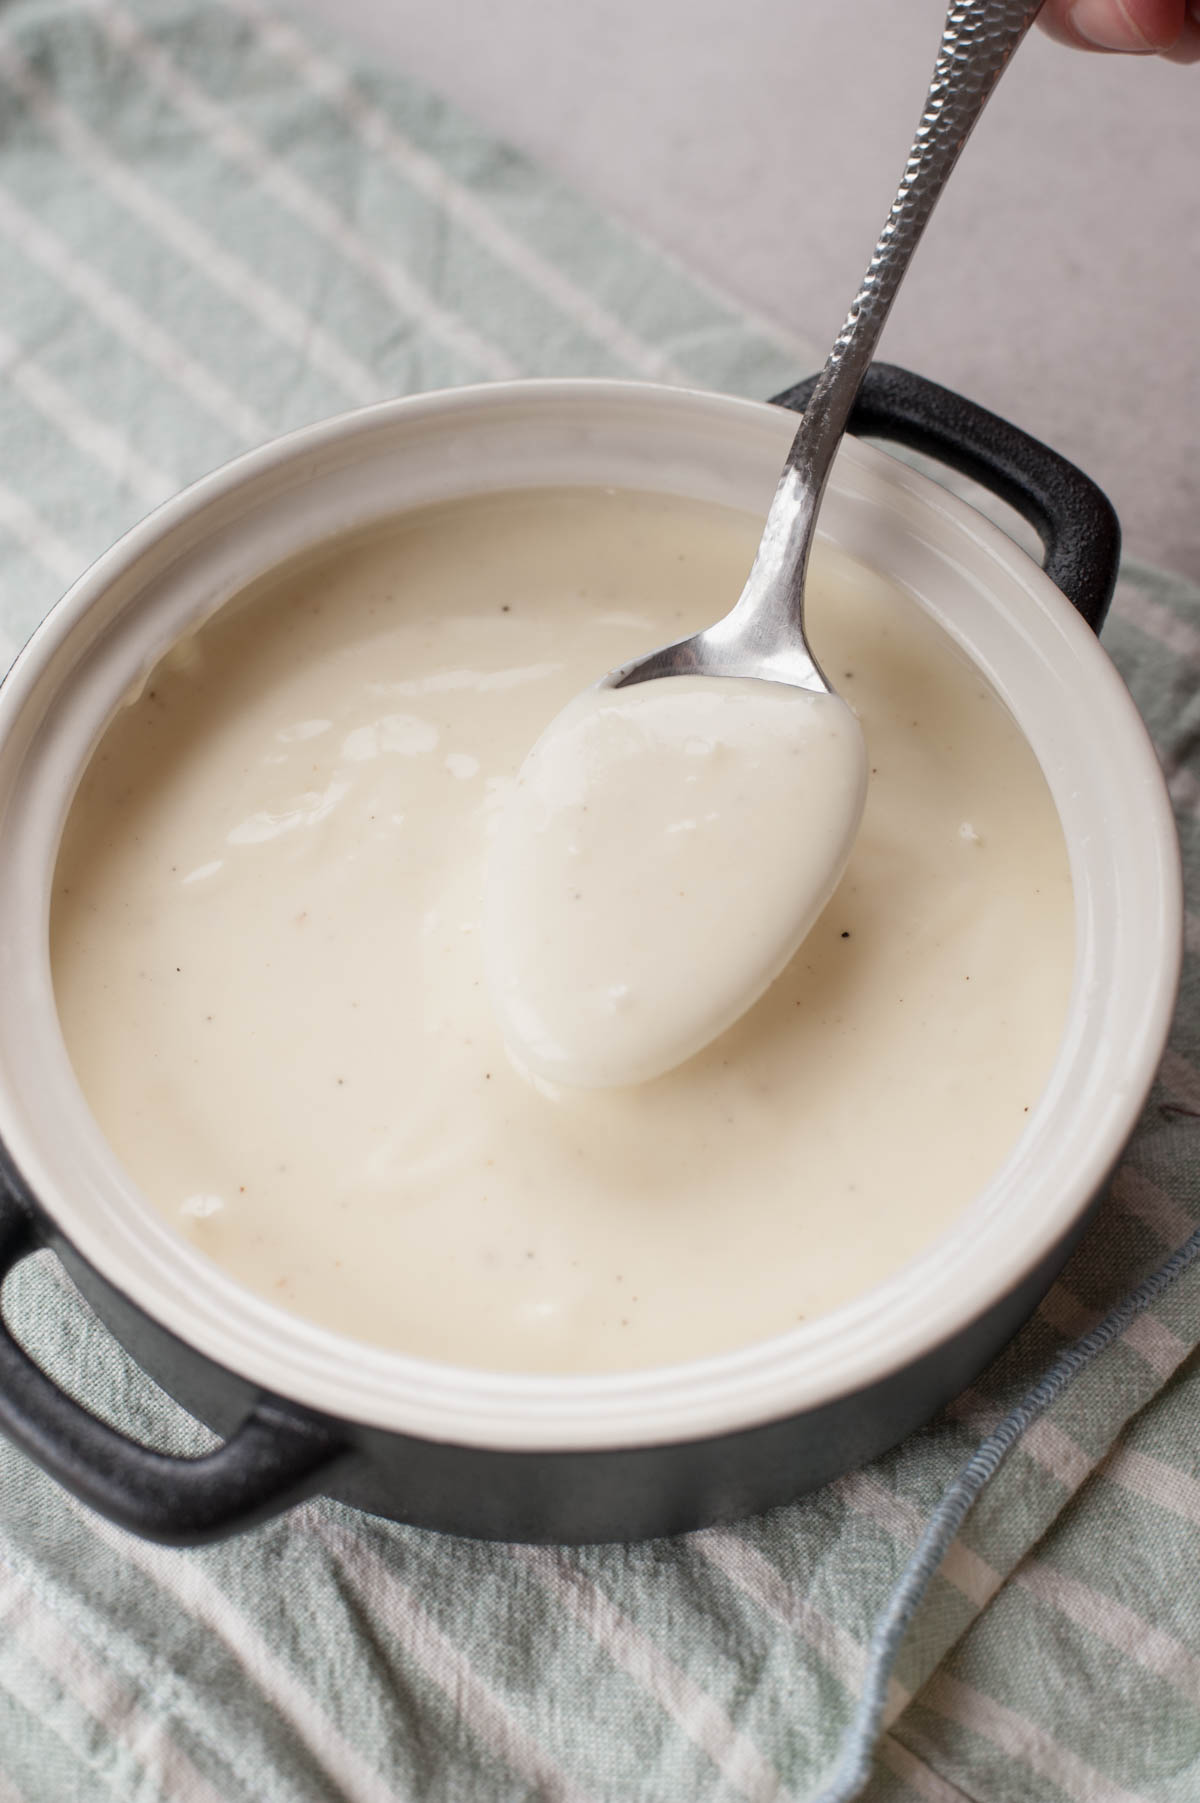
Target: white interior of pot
180,565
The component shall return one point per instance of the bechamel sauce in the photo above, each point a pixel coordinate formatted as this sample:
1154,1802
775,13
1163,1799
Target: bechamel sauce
663,852
266,952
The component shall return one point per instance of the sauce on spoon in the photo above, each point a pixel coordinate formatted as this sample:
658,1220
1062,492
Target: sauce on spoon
663,853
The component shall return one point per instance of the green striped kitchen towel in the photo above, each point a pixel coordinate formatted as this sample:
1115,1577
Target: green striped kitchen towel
215,228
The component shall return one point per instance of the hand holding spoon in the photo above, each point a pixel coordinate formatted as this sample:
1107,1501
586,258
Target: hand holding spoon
677,829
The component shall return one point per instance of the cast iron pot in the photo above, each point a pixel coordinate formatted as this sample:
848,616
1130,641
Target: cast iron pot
620,1456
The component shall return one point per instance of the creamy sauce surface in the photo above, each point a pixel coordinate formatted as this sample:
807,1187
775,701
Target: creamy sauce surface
663,852
267,952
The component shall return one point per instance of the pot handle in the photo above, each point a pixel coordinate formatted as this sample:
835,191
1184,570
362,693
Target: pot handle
1074,519
277,1456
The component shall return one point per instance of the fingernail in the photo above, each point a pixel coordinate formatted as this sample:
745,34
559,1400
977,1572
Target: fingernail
1102,23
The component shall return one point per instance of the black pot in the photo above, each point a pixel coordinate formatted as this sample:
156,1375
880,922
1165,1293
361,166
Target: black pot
560,1459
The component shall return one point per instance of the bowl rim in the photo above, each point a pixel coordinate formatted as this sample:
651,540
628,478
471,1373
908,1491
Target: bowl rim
932,1299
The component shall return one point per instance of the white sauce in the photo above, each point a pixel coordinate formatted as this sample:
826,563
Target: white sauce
267,956
663,853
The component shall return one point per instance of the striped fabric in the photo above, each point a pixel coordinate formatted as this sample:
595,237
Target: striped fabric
214,229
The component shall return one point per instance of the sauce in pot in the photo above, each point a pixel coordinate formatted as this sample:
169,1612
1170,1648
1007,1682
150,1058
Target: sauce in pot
266,942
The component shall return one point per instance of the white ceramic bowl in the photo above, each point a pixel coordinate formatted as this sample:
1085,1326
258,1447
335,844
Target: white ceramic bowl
654,1449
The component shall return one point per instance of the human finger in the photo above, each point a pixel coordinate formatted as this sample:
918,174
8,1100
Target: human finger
1139,27
1186,48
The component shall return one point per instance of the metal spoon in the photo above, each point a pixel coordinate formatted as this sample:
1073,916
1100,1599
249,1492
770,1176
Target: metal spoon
616,976
763,635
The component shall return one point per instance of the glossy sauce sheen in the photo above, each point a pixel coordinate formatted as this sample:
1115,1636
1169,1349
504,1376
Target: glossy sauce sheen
267,954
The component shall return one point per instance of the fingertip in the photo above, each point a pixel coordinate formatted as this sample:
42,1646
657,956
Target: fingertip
1135,27
1186,48
1155,24
1053,21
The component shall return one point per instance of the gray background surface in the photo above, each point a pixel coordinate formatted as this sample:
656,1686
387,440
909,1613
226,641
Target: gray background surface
761,140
